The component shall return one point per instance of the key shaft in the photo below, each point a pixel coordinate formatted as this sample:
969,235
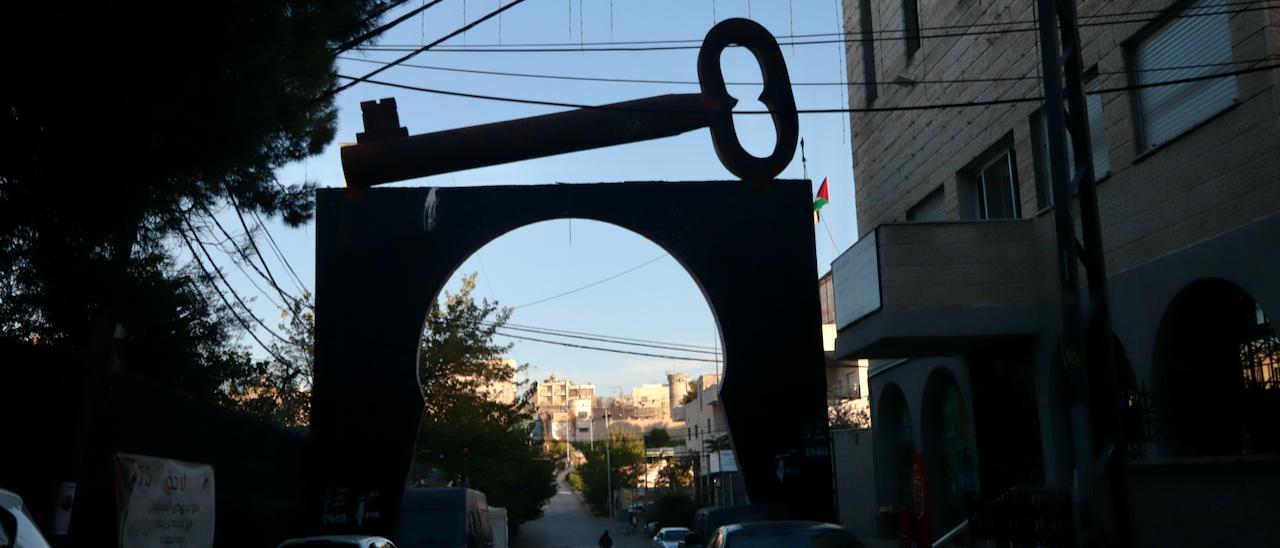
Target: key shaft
382,155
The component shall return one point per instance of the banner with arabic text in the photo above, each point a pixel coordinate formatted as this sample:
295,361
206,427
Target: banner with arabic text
164,503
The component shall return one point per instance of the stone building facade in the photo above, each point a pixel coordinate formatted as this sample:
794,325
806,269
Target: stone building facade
952,288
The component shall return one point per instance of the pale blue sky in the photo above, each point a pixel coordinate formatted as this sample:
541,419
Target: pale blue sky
658,301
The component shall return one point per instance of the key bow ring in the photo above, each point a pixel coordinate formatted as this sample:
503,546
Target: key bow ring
777,97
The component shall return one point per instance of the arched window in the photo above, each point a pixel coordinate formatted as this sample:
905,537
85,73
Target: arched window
1219,362
895,447
949,449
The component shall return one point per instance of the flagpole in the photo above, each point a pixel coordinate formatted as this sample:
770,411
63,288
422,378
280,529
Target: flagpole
835,250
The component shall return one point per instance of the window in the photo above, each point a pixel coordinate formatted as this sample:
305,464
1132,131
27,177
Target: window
1200,46
990,186
911,24
1097,141
583,429
930,208
855,388
868,50
1098,144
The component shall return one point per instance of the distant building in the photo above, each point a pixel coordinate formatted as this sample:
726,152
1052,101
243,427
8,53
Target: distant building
677,387
565,409
556,393
848,399
503,392
706,436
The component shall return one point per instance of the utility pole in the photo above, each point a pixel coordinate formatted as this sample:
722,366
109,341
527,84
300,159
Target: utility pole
608,456
608,463
1086,325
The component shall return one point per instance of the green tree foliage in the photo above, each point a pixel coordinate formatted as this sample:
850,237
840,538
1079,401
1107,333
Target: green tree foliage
690,395
677,473
122,122
626,455
718,443
279,389
658,437
468,435
673,510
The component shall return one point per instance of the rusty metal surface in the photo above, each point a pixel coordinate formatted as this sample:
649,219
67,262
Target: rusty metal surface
384,153
383,161
776,96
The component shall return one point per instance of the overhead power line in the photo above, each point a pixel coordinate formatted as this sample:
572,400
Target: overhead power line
606,340
955,31
936,106
243,256
613,337
592,284
209,278
415,52
374,33
248,234
232,290
576,78
602,349
271,241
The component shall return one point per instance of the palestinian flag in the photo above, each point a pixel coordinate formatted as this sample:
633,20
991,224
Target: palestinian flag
823,198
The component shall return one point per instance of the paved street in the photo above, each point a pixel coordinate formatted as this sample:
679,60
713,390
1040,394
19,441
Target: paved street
568,524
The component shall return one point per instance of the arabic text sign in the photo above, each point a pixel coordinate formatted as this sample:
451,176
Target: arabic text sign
164,503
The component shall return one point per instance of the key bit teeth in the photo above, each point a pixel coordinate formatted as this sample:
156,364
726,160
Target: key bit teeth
381,121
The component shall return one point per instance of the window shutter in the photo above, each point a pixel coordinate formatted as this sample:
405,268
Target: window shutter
1168,111
1098,135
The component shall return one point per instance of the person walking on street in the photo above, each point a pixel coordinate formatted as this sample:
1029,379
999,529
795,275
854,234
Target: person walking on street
605,540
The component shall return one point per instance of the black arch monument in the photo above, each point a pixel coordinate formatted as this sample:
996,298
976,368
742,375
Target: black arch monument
383,255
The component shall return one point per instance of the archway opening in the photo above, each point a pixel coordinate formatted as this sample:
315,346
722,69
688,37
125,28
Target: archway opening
569,333
895,448
950,452
383,255
1218,360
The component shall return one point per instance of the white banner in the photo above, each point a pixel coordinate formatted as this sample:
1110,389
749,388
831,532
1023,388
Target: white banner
728,461
164,503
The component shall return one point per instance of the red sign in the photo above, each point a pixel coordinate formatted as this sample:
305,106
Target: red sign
920,497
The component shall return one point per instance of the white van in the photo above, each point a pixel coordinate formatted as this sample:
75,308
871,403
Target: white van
498,523
17,529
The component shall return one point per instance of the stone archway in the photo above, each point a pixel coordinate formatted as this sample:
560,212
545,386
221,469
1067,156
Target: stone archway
1217,362
895,447
384,254
949,448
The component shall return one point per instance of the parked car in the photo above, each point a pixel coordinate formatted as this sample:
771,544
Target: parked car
650,529
669,537
444,517
770,534
344,541
17,529
707,520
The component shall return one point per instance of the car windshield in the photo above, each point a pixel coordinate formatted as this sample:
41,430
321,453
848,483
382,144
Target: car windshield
431,528
793,539
745,516
311,543
675,534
